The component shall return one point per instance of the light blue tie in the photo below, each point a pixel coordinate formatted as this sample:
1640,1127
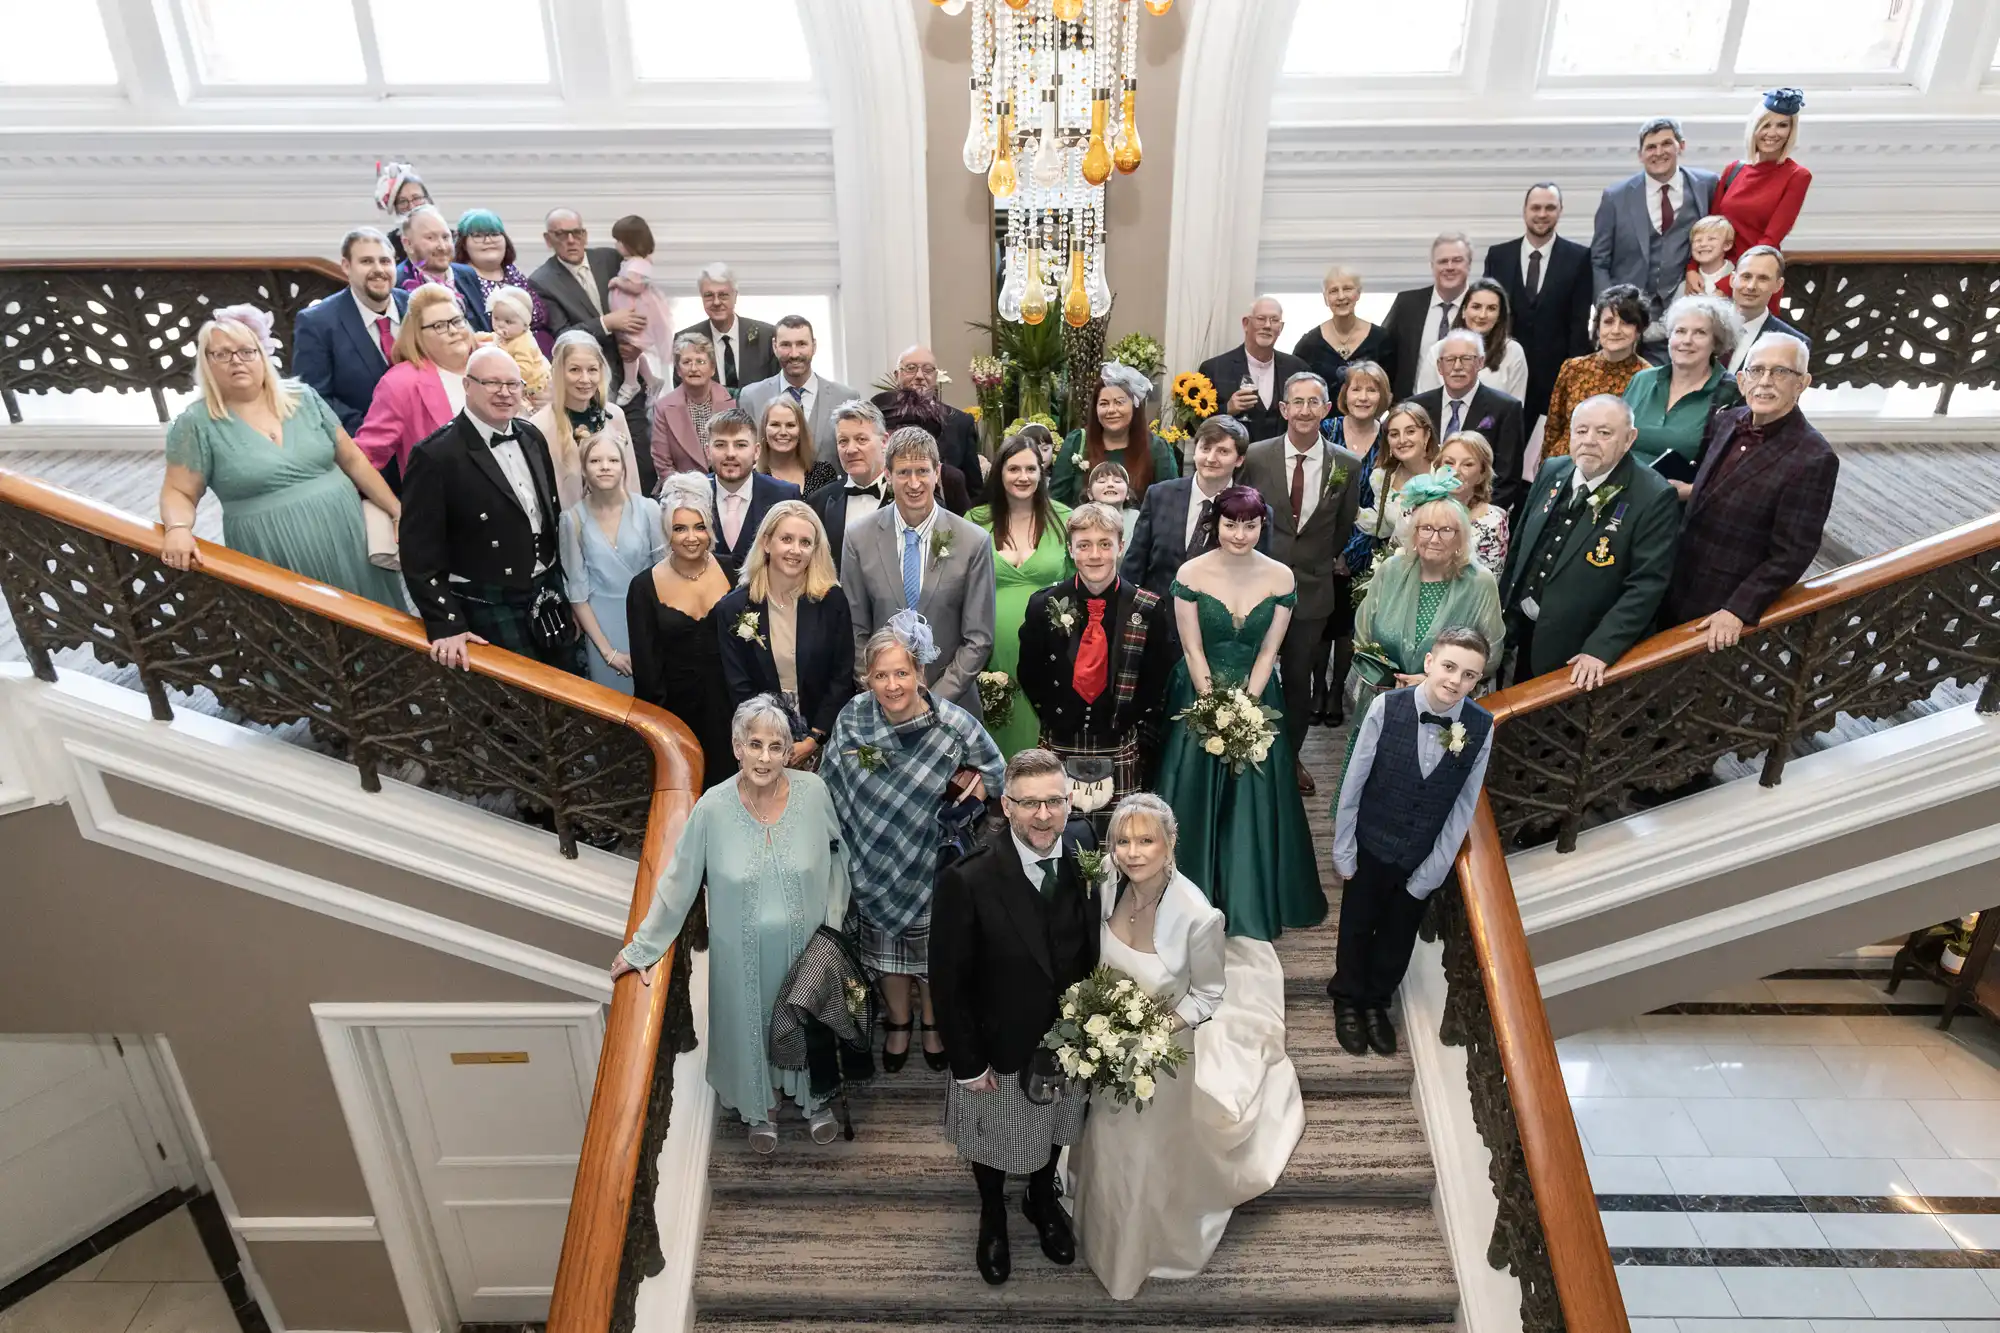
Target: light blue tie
913,570
1452,429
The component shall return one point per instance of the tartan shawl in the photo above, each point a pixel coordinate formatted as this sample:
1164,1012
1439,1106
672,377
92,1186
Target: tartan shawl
890,816
1132,645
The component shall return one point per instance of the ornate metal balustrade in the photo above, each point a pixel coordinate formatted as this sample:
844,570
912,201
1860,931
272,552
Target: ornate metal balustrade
1878,320
129,324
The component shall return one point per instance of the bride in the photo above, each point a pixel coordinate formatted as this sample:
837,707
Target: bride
1153,1189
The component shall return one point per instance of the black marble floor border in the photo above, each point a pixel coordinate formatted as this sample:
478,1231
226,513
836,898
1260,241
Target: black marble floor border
77,1255
1940,1205
1832,973
216,1239
1634,1256
1775,1009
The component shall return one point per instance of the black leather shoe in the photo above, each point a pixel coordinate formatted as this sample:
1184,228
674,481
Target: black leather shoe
938,1060
893,1061
1381,1032
994,1262
1348,1027
1052,1224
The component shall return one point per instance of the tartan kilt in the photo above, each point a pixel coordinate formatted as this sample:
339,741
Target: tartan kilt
904,954
502,617
1127,770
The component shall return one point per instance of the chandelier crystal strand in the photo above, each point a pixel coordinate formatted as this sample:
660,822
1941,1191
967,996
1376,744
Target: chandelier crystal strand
979,129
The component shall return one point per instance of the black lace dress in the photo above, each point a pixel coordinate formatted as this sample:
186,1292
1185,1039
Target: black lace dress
677,664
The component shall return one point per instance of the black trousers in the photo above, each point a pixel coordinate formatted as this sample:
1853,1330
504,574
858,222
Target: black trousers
1521,638
1378,933
1304,641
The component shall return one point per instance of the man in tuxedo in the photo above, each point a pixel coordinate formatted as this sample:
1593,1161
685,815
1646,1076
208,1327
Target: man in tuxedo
793,341
427,240
575,285
1421,316
859,441
1174,524
1548,282
1250,378
1759,505
1585,576
742,495
744,353
1759,280
1641,234
1096,651
1013,926
344,342
1463,403
1312,490
478,535
915,555
958,433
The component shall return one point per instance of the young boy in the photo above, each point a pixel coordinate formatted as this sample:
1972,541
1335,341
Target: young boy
1405,802
510,310
1709,269
1110,484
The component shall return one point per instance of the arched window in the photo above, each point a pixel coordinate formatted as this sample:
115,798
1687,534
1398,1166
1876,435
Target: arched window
1373,39
694,41
54,46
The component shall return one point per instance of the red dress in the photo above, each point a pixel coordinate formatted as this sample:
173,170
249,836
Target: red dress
1762,202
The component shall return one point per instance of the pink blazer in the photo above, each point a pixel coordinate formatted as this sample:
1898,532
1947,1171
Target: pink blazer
409,404
676,445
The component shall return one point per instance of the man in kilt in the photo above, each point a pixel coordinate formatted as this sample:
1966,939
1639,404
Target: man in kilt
1095,654
478,535
1013,925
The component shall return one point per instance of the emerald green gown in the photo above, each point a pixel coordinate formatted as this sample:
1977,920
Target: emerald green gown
1243,840
1012,587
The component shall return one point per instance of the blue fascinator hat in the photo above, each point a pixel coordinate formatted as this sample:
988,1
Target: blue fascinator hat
915,632
1785,101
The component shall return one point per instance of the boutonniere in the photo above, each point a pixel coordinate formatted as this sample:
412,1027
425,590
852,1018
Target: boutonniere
1335,479
747,630
1454,737
870,758
942,540
749,335
1090,864
1601,497
1062,615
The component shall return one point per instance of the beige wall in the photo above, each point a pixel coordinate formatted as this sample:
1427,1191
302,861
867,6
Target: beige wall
101,941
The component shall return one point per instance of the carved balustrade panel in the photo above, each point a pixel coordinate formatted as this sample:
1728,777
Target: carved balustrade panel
1898,323
128,328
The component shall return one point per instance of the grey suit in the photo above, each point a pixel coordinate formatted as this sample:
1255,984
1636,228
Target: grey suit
571,308
756,397
957,596
1312,553
1624,247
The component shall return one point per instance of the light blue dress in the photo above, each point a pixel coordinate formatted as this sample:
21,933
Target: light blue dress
769,888
598,573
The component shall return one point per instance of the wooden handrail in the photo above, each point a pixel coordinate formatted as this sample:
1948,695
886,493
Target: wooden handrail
600,1201
316,263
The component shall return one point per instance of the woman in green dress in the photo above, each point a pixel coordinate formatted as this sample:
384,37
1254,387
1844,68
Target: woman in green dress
767,843
1030,551
1243,836
1117,424
1673,404
289,478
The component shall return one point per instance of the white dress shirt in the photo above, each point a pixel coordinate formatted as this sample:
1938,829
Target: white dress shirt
1528,250
587,279
861,506
514,463
732,504
368,318
1315,456
716,337
1031,860
1751,328
1430,753
1427,350
1676,194
923,531
1263,374
1195,497
805,402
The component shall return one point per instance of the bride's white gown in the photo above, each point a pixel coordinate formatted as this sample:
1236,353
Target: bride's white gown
1153,1190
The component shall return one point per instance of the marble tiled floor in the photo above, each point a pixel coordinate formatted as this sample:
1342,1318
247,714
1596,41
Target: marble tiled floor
157,1281
1797,1173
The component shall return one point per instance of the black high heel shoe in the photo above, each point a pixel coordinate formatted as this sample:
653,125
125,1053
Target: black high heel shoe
893,1061
938,1060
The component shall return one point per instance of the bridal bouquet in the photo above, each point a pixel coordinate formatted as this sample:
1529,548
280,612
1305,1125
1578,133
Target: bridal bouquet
1232,726
996,697
1114,1038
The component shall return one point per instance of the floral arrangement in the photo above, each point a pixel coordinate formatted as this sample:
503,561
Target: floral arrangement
857,1003
1114,1038
1232,726
1042,419
748,630
1173,436
1141,351
1090,864
996,697
1193,391
871,759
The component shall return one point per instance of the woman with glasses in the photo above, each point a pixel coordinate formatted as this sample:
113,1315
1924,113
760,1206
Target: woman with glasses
482,244
424,386
289,478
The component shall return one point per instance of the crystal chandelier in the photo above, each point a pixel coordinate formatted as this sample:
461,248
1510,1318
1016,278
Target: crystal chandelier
1054,106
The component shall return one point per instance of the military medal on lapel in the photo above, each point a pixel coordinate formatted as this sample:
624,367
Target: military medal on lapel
1602,557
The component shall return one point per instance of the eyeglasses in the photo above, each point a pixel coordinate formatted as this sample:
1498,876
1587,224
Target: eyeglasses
570,234
1458,360
1758,374
1034,803
1429,530
241,355
498,386
455,322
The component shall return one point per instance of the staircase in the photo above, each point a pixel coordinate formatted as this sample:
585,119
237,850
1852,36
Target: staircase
878,1234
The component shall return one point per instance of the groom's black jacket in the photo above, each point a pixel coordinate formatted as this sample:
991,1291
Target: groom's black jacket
1001,956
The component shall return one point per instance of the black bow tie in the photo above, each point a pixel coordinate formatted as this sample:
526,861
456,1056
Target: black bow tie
872,492
499,437
1433,720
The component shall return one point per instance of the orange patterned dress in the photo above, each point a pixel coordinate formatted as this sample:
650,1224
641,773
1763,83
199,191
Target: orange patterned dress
1583,377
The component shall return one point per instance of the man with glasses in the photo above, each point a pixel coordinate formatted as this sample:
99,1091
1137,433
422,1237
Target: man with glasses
575,283
1760,500
1250,377
745,348
1013,926
958,434
1462,402
1585,577
478,536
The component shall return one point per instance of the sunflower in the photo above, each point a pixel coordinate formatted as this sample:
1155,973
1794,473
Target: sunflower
1204,401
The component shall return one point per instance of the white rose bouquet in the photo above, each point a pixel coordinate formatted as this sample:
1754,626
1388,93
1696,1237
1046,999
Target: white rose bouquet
1232,726
1114,1038
996,697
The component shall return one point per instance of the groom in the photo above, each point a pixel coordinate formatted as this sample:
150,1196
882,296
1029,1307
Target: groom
1013,926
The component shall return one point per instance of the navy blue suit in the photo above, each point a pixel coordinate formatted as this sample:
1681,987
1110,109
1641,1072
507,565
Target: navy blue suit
471,296
823,655
765,491
337,351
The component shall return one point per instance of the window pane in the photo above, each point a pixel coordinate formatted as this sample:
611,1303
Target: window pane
700,39
1349,37
686,310
489,41
266,42
1827,36
54,45
1670,37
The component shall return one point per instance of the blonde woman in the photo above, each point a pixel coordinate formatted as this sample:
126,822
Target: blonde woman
576,412
787,630
1762,192
785,448
672,624
608,538
424,386
289,478
1470,459
1343,338
1407,450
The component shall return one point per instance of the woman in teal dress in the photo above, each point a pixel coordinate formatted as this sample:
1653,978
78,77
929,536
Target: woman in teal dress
1243,837
1116,428
767,843
289,478
1673,404
607,539
1030,552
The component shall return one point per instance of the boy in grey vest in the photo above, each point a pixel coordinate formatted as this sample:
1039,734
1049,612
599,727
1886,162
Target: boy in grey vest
1405,802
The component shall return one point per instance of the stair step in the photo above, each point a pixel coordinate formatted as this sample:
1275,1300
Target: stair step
907,1262
705,1322
1323,1066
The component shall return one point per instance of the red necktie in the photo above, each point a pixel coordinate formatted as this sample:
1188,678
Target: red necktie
1298,487
1666,211
387,339
1093,655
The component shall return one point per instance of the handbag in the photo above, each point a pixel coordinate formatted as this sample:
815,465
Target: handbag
1373,667
383,551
